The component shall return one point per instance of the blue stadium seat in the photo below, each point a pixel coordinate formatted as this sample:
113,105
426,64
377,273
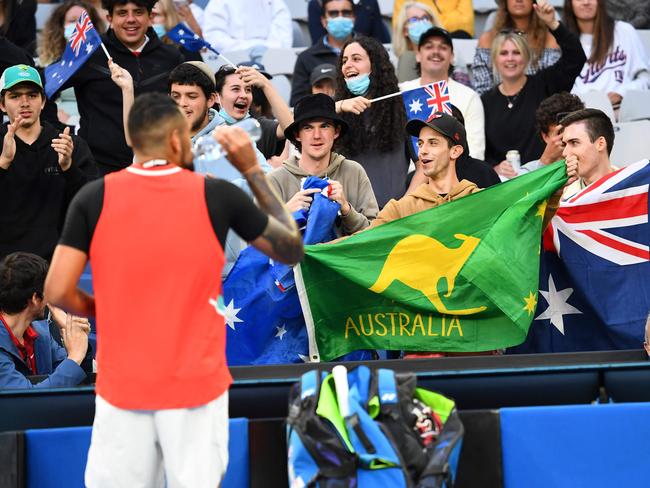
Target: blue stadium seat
57,457
576,446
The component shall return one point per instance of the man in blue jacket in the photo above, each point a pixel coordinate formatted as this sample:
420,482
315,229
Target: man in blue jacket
26,346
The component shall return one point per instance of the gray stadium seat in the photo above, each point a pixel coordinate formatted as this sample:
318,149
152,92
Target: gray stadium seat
599,100
635,106
632,143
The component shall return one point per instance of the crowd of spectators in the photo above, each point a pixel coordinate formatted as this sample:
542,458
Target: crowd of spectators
526,63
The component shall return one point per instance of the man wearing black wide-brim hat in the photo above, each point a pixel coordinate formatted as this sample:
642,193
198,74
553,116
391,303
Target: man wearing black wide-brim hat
314,131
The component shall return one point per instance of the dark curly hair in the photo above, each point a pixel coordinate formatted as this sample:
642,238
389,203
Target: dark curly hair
109,5
550,108
386,129
21,276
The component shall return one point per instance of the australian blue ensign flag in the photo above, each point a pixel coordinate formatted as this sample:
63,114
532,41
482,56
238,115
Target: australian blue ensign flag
82,44
421,103
594,290
183,35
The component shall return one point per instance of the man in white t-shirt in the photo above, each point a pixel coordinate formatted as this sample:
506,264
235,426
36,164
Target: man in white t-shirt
435,56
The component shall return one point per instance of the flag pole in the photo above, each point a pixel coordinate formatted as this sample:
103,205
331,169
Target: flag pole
108,56
221,55
391,95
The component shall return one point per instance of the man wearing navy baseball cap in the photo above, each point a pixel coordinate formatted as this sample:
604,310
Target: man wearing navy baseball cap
40,168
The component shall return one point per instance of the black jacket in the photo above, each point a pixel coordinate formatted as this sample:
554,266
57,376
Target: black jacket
100,100
35,192
20,25
307,60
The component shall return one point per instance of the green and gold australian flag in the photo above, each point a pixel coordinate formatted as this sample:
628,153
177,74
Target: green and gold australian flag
461,277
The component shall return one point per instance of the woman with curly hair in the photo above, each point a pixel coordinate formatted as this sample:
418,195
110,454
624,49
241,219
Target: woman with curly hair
377,137
519,16
59,28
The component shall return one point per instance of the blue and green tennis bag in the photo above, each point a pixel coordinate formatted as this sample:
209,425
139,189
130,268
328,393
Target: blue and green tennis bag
395,434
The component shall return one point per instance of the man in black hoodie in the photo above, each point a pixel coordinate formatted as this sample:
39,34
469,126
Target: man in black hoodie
134,46
41,168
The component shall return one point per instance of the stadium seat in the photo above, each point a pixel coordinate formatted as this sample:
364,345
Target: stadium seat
571,446
298,9
279,61
283,86
631,143
644,34
599,100
635,106
299,38
43,12
464,51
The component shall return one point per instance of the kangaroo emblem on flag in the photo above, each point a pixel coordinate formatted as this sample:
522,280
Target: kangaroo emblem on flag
420,262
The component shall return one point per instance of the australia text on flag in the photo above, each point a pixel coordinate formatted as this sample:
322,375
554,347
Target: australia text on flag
83,43
425,101
595,268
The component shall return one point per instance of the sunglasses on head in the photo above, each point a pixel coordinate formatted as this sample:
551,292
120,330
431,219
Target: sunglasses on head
512,31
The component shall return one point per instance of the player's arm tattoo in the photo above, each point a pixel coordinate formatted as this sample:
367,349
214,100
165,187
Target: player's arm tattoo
281,239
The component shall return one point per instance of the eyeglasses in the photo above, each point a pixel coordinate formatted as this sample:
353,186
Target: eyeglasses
413,20
339,13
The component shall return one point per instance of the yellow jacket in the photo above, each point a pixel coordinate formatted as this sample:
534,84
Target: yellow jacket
453,14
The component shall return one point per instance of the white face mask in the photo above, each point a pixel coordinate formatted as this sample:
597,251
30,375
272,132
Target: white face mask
68,30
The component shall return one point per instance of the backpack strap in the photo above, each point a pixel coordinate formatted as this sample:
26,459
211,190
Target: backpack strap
386,387
309,384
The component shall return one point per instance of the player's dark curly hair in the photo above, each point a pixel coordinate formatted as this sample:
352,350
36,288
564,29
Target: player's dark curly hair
557,105
382,126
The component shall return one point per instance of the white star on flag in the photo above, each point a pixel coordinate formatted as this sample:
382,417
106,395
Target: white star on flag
304,359
70,63
415,106
62,63
281,332
181,32
557,305
54,75
228,312
89,48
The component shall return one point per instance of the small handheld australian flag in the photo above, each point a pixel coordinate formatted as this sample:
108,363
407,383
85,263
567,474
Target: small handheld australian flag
83,43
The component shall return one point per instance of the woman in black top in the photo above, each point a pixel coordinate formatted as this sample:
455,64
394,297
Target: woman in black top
510,106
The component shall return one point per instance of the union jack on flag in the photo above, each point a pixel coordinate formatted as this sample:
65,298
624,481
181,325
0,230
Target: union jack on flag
83,43
587,217
435,97
594,287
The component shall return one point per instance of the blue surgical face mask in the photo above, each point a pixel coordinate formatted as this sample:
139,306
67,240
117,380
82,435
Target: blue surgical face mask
416,29
68,30
340,27
230,119
160,30
359,84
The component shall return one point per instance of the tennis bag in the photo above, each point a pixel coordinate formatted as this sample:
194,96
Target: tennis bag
370,428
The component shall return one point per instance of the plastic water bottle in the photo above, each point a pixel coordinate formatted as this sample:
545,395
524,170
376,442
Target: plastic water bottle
206,148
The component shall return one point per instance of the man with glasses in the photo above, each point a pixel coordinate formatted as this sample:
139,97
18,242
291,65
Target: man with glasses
435,55
338,19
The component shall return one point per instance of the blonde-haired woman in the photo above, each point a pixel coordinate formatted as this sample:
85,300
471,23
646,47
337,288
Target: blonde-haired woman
167,14
510,106
516,15
414,19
